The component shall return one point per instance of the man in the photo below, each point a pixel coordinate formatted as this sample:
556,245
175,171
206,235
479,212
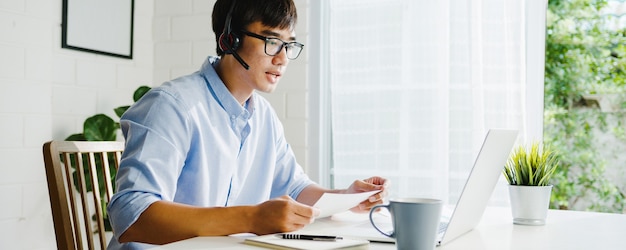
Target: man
206,155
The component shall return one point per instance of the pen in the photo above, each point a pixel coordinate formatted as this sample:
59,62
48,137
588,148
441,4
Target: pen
309,237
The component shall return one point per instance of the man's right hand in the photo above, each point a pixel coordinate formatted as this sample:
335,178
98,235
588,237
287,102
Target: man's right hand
282,214
164,221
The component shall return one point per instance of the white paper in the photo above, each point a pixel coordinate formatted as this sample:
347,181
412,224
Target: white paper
330,203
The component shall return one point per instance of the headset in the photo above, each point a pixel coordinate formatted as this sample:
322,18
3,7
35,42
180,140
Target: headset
229,41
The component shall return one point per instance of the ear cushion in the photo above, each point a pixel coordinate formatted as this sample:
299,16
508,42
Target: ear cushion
229,42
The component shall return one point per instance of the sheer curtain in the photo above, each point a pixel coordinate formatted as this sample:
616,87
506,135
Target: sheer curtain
414,86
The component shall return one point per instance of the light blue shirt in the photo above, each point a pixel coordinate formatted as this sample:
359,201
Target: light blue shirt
190,141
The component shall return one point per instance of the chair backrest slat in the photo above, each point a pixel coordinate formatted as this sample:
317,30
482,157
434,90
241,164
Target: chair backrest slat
82,186
96,195
72,170
74,210
107,176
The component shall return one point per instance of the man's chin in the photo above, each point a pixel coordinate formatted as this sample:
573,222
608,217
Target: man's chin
268,89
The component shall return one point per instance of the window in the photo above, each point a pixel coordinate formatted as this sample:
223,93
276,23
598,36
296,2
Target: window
585,98
412,87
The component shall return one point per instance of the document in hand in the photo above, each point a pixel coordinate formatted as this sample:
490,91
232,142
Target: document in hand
273,242
330,203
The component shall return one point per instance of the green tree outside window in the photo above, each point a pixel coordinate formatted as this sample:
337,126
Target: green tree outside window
585,68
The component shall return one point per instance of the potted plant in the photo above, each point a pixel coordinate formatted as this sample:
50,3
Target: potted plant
528,172
101,127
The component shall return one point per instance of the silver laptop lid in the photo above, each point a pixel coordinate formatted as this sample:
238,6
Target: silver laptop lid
480,184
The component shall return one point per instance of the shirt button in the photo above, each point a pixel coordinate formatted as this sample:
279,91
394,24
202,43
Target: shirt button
232,117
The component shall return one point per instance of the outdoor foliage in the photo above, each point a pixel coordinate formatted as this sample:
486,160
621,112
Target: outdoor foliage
585,55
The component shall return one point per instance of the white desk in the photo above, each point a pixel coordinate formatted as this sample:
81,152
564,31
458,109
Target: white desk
563,230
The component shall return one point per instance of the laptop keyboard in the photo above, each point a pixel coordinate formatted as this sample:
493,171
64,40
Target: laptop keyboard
443,226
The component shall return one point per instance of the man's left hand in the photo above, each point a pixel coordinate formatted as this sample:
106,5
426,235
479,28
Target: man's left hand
369,184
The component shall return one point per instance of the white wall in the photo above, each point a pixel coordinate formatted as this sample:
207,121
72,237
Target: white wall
46,93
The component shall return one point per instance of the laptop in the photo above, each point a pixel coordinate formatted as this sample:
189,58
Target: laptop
469,209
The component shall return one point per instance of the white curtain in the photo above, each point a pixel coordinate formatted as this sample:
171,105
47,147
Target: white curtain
415,85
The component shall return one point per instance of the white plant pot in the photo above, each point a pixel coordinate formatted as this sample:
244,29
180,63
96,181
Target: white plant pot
529,204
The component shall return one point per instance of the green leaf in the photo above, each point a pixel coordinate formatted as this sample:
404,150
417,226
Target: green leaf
76,137
533,166
140,92
119,111
100,127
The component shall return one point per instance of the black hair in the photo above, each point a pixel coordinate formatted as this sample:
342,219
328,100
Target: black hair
281,14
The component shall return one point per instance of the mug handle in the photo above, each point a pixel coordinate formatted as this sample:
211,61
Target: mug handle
374,224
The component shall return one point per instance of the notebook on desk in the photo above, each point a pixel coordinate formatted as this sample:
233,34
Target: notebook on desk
478,188
274,242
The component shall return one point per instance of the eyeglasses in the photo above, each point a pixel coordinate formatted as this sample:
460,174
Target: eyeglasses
273,45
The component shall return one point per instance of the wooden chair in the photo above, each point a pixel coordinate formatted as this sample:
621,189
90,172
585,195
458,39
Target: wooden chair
72,207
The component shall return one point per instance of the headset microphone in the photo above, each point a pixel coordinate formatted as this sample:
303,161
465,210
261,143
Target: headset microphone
240,60
229,41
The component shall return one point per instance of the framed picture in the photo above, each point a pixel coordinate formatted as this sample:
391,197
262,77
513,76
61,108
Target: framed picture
99,26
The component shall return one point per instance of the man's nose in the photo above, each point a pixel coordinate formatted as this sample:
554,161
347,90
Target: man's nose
281,57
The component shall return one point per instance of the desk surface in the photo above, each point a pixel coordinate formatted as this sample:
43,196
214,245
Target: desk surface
563,230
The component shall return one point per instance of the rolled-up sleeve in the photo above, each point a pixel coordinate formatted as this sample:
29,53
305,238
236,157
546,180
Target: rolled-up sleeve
145,175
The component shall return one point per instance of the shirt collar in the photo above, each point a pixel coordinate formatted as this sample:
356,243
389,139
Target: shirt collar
221,93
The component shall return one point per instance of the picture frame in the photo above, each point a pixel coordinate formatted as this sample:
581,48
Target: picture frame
99,26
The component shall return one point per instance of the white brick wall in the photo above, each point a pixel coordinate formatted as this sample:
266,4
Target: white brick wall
46,93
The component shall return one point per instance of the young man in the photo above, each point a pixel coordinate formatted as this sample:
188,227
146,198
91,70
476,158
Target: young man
206,155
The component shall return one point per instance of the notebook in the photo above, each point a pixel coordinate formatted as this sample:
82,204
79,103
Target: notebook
273,242
469,209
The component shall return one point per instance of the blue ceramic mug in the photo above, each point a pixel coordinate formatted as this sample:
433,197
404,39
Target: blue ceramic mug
415,222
